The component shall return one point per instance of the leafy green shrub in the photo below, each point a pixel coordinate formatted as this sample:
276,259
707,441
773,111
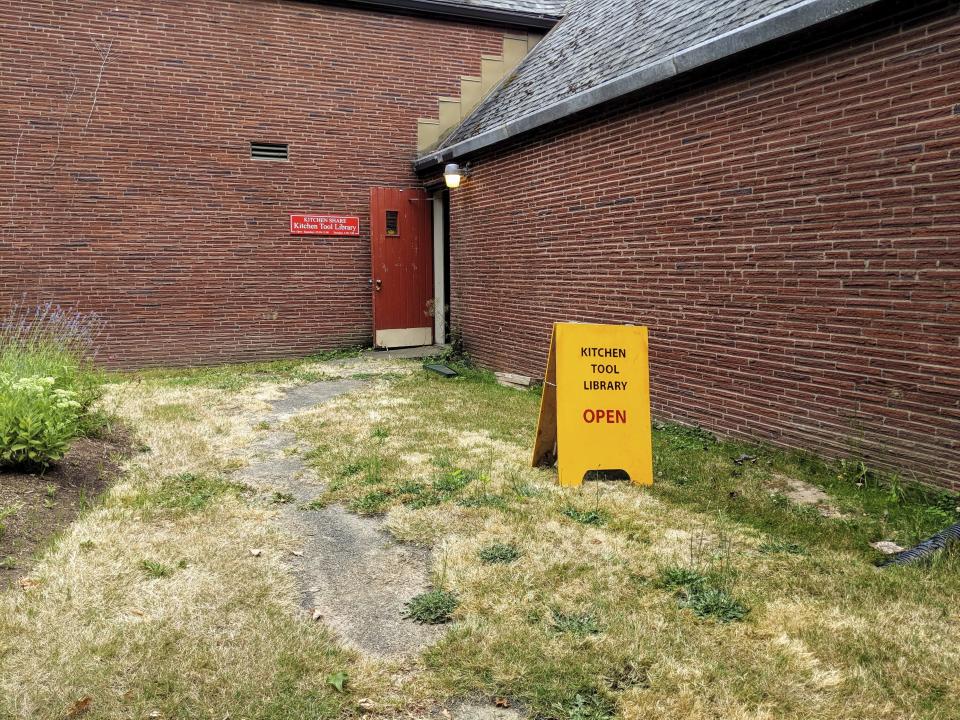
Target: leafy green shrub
432,608
47,383
37,420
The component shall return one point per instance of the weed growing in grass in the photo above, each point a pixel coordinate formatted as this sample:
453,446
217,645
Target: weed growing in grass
780,546
674,577
282,498
8,563
432,608
574,623
708,601
585,706
686,437
370,504
378,432
701,593
318,503
587,517
172,412
5,512
370,468
499,553
262,425
483,499
453,480
156,569
410,487
424,500
337,680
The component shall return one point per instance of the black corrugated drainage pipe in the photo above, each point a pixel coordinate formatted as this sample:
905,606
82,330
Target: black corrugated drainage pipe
928,547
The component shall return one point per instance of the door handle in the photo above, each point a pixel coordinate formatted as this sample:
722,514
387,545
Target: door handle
377,285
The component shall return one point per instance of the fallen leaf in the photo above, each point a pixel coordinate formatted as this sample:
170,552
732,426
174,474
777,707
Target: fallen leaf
366,705
27,583
256,552
298,553
317,614
138,613
501,702
79,707
155,714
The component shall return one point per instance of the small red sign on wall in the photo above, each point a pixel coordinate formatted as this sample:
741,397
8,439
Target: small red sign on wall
324,225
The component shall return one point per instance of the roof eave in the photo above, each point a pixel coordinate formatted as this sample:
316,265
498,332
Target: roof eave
464,12
772,27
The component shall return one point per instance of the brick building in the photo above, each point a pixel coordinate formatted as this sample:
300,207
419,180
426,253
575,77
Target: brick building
770,186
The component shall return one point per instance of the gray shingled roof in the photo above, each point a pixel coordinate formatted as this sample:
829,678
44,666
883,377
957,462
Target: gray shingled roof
600,43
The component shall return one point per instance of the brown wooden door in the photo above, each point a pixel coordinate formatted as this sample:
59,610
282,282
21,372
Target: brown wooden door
402,267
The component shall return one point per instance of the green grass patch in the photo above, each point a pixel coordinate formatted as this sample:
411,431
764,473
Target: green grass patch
708,601
172,412
593,516
432,608
778,546
584,623
499,553
235,377
372,503
156,569
183,493
560,637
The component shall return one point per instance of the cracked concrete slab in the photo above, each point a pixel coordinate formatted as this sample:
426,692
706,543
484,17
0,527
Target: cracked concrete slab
361,579
304,397
351,572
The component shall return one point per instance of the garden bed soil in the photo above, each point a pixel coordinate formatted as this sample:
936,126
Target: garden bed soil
44,503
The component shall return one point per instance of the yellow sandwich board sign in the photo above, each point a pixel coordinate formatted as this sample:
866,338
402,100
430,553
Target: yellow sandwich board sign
595,410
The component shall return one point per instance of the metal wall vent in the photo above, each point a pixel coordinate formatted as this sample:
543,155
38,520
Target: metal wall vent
269,151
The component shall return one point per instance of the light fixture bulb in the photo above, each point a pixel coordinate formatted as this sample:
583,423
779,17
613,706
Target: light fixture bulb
452,175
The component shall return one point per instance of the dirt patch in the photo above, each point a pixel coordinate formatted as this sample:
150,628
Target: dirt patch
804,493
35,506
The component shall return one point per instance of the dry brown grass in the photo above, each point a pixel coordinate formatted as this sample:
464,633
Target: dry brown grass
220,636
579,627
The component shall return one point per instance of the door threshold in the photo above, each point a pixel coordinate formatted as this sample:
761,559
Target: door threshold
409,353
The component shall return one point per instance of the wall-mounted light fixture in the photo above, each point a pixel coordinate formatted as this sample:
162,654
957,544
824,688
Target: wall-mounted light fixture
453,174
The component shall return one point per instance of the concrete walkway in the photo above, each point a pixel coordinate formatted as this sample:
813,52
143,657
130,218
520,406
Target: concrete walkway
352,573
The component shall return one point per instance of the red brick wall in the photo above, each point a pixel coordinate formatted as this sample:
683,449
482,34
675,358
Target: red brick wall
131,193
790,235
